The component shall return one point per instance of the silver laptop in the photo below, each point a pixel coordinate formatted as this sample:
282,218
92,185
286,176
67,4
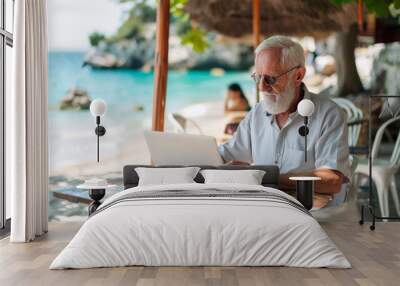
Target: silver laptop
182,149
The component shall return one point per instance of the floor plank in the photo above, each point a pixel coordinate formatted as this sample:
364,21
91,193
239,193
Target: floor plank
375,257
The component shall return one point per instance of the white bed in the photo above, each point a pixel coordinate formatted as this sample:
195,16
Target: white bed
185,230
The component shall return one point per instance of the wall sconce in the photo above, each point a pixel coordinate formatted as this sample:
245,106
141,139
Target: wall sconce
305,108
98,108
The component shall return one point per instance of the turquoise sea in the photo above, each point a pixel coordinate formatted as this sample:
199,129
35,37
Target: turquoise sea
71,133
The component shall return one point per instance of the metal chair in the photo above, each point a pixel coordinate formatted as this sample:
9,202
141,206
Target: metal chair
384,171
354,119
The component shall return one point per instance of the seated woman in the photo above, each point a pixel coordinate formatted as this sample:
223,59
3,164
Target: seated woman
235,99
235,102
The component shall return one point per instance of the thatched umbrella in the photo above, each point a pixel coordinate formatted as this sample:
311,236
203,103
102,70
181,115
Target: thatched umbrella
290,17
317,18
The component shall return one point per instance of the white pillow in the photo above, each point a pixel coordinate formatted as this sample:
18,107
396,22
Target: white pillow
248,177
163,176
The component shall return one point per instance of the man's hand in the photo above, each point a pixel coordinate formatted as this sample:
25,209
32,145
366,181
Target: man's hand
237,163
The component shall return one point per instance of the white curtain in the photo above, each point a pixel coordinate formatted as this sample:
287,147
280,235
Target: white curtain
27,123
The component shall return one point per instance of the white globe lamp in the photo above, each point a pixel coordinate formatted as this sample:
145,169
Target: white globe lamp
305,108
98,108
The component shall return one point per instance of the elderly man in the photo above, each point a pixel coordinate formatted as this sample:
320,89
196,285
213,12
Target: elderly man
269,134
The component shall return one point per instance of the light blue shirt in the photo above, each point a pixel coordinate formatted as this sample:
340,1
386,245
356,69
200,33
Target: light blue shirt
259,140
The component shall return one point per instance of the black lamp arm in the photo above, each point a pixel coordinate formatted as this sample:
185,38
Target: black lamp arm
100,131
303,131
305,138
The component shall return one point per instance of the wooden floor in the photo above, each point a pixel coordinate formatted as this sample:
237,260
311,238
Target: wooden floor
375,257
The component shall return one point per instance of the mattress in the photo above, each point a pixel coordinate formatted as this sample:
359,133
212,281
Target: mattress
201,225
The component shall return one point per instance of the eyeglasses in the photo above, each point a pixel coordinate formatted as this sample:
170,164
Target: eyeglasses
269,79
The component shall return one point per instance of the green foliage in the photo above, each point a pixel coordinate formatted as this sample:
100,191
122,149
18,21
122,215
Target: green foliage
379,8
182,26
131,28
194,37
395,9
177,8
142,12
138,14
95,38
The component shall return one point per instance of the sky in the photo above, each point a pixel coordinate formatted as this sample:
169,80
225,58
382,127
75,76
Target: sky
71,21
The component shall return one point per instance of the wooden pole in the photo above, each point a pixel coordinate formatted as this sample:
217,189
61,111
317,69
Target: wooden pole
360,15
161,65
256,32
256,22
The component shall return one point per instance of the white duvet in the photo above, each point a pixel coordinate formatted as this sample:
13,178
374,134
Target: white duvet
200,231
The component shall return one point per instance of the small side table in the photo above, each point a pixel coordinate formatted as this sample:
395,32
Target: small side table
305,190
96,193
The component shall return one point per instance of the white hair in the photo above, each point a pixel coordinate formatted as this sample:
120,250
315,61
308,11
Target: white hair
292,53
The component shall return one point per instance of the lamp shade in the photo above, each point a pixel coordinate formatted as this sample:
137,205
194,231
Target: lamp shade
305,108
98,107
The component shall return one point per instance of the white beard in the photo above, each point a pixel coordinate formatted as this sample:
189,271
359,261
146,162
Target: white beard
278,103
